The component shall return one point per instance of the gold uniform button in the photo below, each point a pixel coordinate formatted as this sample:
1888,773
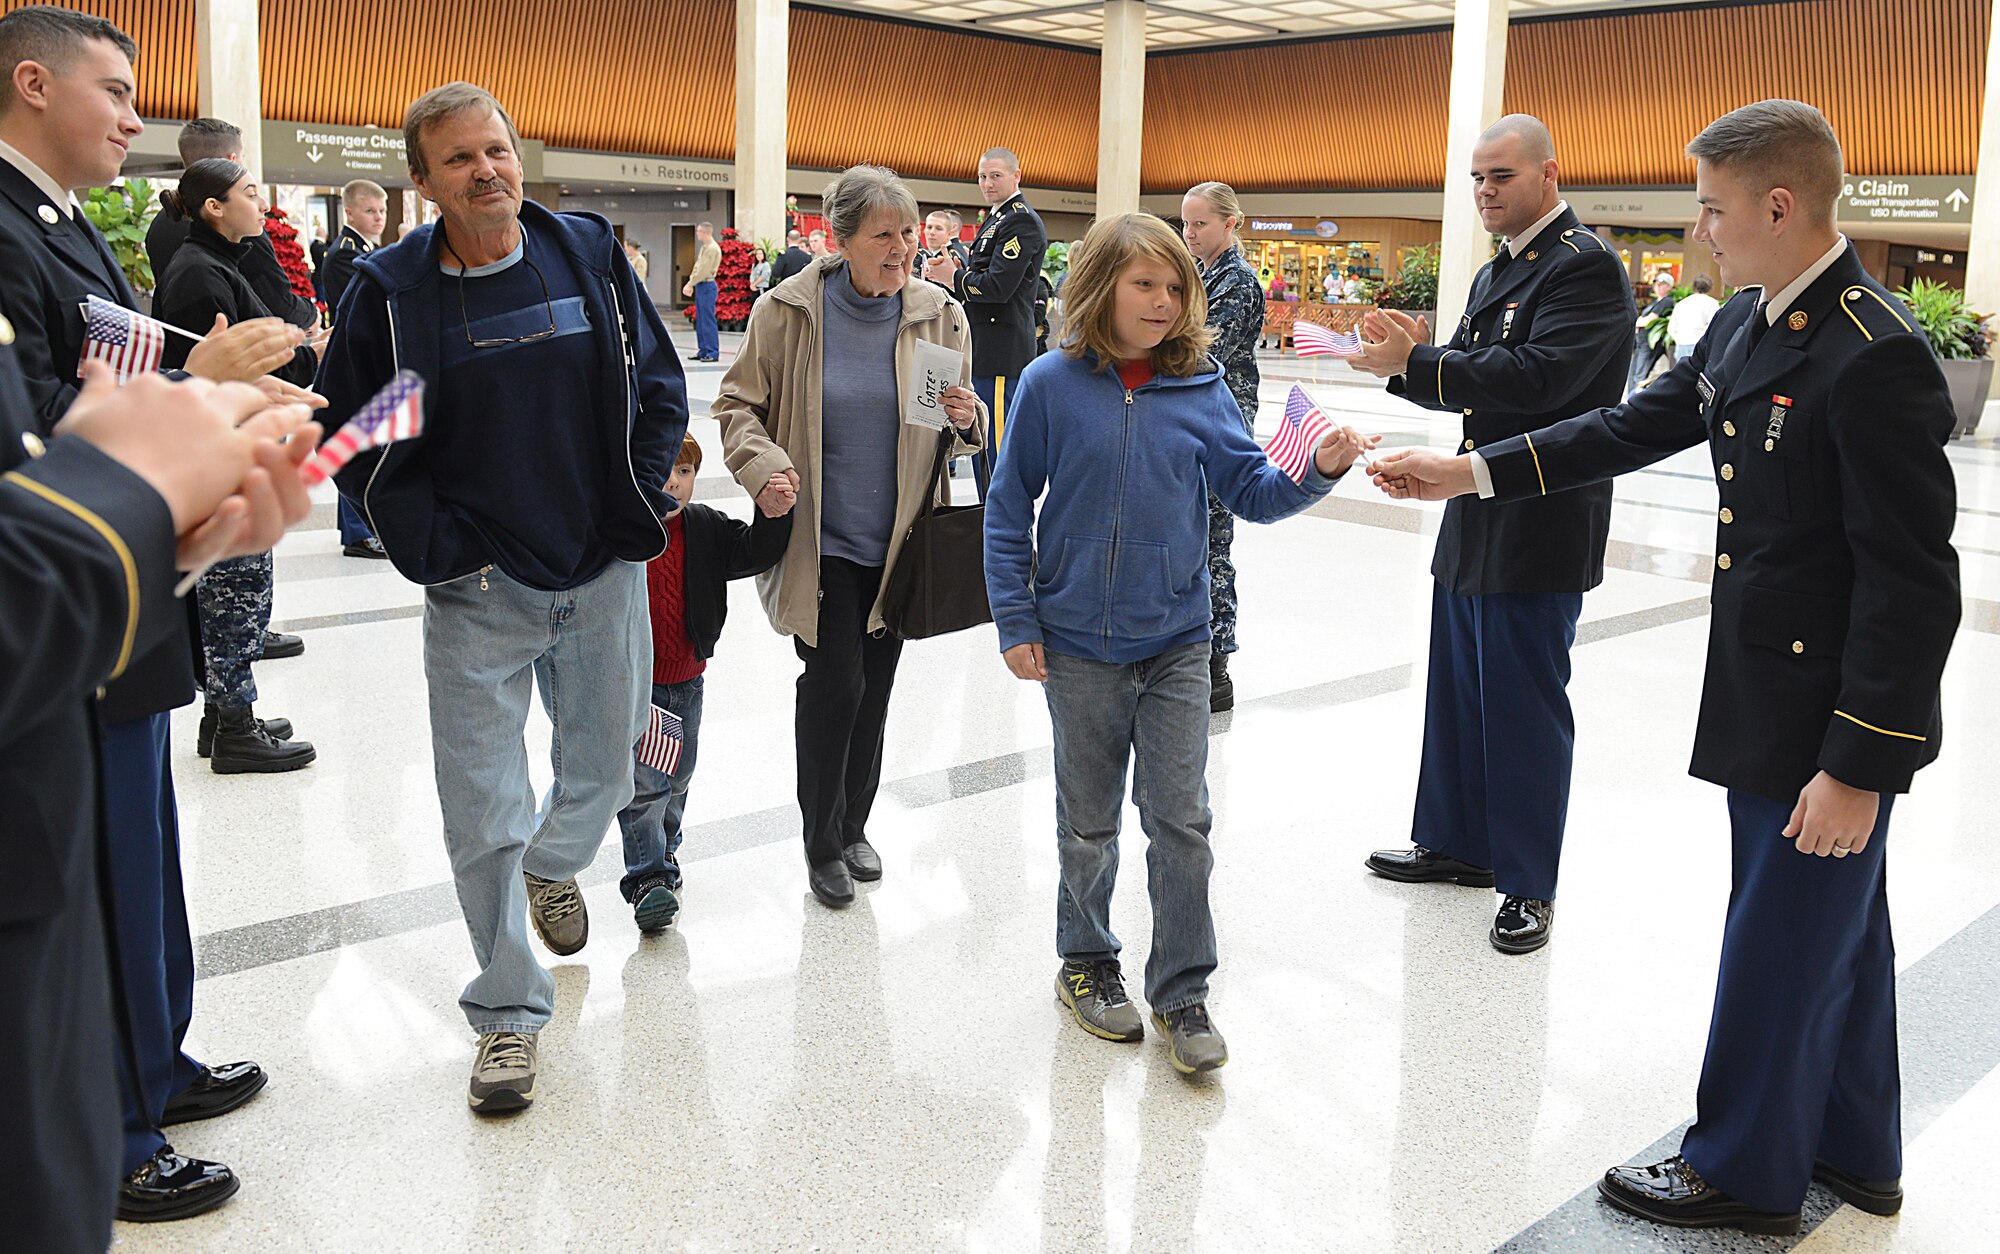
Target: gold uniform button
1468,413
1798,646
1769,445
1468,446
33,443
6,332
1722,560
1728,472
1729,428
1728,516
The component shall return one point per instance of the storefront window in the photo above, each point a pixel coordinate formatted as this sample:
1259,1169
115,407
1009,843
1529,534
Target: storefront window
1355,266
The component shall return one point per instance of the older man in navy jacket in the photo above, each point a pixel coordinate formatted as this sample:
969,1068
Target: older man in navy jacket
553,409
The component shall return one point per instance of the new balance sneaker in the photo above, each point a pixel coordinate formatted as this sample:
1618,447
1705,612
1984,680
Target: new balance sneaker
654,903
555,907
503,1073
1095,994
1193,1044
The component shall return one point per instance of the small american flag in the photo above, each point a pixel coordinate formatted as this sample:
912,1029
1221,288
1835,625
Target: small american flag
1313,340
660,747
124,339
394,413
1300,432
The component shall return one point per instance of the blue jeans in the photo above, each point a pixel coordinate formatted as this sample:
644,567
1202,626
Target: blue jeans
652,822
487,642
1154,714
707,342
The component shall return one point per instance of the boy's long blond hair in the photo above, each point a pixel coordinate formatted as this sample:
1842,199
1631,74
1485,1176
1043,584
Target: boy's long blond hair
1088,294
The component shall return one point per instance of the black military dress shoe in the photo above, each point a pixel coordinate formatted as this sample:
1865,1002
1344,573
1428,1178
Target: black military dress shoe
1522,925
1877,1197
367,547
172,1186
278,644
863,863
217,1091
1673,1193
831,882
1418,865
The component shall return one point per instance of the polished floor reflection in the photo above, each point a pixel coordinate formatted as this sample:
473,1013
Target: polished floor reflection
769,1075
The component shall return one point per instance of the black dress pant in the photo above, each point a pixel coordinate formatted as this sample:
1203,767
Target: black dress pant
842,708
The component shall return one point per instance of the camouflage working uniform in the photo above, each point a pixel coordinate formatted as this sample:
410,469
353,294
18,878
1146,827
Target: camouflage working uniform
234,598
1236,315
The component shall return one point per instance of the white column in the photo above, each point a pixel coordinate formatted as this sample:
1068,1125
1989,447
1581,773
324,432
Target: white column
1121,107
1982,255
227,83
763,39
1478,75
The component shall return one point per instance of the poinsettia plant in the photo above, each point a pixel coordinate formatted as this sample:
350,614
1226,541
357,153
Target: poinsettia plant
732,280
291,257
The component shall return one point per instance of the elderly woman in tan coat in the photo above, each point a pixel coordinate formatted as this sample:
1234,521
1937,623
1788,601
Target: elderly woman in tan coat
817,394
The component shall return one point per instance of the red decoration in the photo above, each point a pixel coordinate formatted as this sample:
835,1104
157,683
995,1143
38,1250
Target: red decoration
291,257
732,281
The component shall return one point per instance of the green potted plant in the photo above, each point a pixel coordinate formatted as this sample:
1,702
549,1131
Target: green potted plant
1055,261
121,214
1962,341
1415,287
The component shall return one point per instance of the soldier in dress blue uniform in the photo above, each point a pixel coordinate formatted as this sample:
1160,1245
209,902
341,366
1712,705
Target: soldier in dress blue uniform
1546,334
1835,602
59,124
941,231
997,286
364,210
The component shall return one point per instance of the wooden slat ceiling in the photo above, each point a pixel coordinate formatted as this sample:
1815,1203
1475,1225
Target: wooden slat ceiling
1901,80
926,102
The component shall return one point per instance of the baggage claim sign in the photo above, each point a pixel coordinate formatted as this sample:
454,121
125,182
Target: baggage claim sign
1915,199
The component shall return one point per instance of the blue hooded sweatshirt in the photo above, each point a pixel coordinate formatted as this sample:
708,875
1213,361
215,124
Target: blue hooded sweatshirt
1117,568
394,316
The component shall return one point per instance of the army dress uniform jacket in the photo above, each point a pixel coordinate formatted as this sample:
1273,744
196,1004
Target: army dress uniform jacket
86,585
48,263
1546,335
997,288
1836,587
347,248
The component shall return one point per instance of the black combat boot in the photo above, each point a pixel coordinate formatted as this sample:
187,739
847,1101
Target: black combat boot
242,747
1221,689
204,735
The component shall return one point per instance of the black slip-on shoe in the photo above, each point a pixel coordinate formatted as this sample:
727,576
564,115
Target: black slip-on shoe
217,1091
1418,865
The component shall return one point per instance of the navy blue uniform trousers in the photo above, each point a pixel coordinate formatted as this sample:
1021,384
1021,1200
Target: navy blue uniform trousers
994,390
353,523
149,924
1801,1059
1498,736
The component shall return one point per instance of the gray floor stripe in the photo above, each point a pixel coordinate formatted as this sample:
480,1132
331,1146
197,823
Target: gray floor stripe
296,936
1948,1005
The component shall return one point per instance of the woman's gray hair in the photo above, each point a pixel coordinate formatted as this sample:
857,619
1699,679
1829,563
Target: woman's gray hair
858,193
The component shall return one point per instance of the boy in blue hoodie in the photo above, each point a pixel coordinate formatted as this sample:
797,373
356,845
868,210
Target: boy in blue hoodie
1122,435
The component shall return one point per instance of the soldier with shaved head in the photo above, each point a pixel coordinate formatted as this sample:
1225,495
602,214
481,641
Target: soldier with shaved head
1547,333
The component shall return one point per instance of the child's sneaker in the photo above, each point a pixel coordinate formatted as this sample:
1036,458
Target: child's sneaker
654,903
1192,1041
1095,994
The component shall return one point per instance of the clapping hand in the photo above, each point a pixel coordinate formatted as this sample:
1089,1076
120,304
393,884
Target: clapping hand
779,494
245,352
942,268
1387,337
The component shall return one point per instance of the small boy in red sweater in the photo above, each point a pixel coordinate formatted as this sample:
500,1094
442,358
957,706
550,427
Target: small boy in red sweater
688,595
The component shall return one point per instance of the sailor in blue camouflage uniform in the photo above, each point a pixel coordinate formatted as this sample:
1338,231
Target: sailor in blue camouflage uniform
1210,216
1836,598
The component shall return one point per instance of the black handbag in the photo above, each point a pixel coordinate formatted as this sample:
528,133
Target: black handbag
939,581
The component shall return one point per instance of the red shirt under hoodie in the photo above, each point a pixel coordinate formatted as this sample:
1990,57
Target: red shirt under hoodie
674,658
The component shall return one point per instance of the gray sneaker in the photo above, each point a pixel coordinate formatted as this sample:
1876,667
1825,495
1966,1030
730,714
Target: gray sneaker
1095,994
556,910
503,1075
1193,1044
